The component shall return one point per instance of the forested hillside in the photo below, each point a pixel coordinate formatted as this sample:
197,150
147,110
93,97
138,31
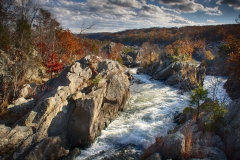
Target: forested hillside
164,36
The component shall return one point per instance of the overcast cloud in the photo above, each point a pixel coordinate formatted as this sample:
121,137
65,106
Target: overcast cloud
116,15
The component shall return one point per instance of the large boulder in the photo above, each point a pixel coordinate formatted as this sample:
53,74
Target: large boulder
232,87
69,111
16,110
230,134
185,75
97,109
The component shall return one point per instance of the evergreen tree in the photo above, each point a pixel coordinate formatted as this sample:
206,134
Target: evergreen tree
196,96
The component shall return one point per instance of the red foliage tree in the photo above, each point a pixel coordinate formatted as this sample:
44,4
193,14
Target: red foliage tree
53,64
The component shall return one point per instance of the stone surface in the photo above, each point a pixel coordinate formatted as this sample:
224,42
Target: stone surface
11,139
155,156
230,134
232,87
185,75
186,142
178,141
49,148
28,90
68,111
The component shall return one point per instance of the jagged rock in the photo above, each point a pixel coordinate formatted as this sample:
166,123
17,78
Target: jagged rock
232,87
142,70
97,109
135,54
155,156
109,47
230,134
16,110
178,141
126,58
182,74
188,142
128,61
59,119
49,148
72,155
11,139
27,90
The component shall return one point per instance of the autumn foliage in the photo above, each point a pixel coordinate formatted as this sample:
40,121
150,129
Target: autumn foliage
53,64
69,46
115,51
232,48
184,47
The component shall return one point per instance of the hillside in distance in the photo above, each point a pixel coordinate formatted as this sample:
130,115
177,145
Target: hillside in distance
166,36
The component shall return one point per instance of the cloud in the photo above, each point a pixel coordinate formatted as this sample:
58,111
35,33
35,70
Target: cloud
126,3
210,21
168,10
212,11
189,6
116,15
231,3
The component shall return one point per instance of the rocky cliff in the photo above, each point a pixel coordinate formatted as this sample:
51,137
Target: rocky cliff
190,141
67,112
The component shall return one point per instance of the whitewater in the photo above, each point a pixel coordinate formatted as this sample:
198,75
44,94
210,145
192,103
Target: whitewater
149,114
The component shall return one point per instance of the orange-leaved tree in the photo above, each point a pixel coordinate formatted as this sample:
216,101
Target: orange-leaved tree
115,51
184,47
69,46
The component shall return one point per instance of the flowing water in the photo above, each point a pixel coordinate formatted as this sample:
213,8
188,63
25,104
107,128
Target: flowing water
149,113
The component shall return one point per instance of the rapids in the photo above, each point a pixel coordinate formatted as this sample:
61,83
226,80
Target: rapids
149,113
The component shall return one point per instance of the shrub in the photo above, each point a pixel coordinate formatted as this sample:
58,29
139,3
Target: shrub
188,110
216,120
96,80
119,59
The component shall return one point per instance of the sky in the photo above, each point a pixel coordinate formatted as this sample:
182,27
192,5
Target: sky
118,15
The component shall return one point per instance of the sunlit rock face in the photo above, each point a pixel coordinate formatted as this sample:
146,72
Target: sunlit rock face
70,111
185,75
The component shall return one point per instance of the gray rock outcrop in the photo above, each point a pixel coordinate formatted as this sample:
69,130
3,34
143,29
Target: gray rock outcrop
232,87
69,111
191,141
230,134
182,74
188,143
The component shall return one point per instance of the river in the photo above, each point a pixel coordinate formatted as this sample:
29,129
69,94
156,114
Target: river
149,113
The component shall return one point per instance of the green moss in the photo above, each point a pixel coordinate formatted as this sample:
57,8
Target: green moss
96,80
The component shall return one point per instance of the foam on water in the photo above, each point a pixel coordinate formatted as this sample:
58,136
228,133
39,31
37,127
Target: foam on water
214,85
149,113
